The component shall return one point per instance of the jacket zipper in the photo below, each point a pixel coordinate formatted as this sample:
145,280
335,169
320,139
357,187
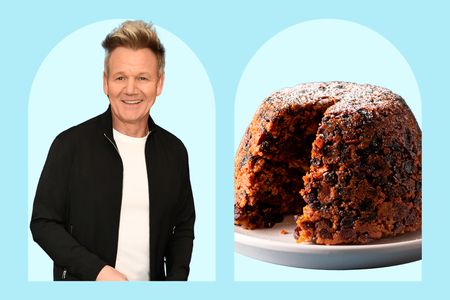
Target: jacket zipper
114,145
117,150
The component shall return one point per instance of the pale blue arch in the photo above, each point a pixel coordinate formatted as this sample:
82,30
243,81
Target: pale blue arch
67,90
322,50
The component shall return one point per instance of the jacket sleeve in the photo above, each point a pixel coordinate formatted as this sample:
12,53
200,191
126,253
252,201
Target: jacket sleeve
49,220
179,251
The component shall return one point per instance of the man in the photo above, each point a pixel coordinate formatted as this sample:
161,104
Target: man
114,200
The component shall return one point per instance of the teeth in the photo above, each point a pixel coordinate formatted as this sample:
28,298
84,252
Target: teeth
132,101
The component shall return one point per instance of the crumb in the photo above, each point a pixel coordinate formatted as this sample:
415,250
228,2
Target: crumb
282,231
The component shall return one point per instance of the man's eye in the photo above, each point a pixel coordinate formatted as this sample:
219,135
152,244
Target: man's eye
120,78
142,78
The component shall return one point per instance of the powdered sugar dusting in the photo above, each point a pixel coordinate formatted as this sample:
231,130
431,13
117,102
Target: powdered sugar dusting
348,96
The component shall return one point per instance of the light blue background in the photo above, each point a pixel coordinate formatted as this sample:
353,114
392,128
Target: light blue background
67,90
224,36
321,50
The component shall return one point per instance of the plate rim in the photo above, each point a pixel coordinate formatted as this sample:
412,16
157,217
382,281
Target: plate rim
256,242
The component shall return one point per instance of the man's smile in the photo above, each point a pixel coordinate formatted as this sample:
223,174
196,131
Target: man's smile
132,102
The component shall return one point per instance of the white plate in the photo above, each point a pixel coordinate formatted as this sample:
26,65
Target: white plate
271,246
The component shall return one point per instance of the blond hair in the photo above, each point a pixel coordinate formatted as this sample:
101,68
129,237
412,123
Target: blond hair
135,35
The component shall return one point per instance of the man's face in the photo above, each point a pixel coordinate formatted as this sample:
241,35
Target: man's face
132,85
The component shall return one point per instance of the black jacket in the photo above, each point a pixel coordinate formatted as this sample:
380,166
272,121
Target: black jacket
76,210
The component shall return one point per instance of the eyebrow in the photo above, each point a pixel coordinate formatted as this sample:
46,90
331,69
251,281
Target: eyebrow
145,73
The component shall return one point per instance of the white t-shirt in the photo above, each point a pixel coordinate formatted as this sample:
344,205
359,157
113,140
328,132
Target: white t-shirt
133,249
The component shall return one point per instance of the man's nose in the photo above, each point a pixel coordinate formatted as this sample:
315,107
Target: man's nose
131,86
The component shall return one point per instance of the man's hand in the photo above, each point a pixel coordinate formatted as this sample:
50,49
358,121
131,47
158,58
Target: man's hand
108,273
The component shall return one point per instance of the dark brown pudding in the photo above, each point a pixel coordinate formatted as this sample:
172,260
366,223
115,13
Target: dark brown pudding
344,157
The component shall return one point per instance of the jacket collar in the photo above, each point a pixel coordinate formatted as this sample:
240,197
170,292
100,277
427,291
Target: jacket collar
107,123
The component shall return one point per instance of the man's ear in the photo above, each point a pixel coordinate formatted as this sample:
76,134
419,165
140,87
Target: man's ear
160,84
105,84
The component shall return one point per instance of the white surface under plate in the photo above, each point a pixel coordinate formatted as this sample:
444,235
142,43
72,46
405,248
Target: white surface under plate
271,246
